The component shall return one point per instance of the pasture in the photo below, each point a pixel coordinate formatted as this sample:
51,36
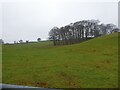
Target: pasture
90,64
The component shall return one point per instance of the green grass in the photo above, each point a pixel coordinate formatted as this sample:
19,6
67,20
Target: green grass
91,64
0,63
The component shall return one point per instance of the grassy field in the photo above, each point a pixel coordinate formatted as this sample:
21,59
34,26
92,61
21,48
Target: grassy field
0,63
91,64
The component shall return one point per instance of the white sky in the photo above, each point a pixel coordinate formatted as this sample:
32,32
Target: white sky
30,19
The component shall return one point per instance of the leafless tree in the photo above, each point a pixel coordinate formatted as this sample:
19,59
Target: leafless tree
80,31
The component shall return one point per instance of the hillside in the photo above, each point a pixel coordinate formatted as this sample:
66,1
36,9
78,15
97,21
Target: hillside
0,63
91,64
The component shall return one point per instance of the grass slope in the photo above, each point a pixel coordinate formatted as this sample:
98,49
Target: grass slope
1,63
91,64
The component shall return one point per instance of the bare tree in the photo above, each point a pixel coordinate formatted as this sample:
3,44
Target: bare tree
54,34
80,31
115,30
110,28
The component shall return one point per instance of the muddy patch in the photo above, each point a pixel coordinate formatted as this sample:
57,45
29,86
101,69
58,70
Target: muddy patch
35,84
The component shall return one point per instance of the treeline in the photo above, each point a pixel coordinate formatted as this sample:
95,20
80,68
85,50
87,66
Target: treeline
80,31
20,41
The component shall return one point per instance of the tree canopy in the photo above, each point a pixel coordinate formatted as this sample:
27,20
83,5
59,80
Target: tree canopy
80,31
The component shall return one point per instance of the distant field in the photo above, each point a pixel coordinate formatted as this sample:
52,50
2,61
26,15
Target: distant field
91,64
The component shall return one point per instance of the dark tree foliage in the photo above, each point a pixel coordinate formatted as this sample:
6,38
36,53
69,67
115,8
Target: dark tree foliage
80,31
27,41
39,39
20,41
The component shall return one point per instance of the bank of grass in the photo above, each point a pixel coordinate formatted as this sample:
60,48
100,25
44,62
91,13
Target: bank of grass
91,64
0,63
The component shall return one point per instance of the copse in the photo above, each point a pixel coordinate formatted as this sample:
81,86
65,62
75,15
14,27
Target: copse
80,31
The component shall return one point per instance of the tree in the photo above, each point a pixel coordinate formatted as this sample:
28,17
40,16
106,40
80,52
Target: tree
20,41
54,34
115,30
103,29
80,31
110,28
27,41
39,39
94,29
1,41
15,42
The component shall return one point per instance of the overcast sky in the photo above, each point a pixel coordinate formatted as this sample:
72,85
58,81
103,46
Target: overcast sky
28,19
